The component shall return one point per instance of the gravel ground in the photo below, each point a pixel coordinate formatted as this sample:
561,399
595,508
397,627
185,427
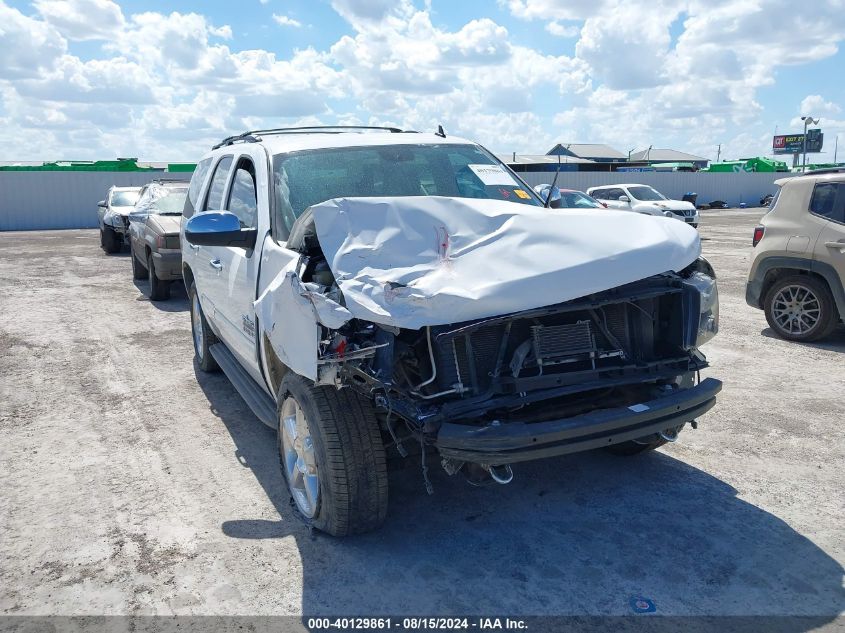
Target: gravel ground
130,483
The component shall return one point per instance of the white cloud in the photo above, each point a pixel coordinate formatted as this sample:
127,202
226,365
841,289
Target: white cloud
96,81
626,47
815,106
29,46
682,73
224,31
561,30
82,19
284,20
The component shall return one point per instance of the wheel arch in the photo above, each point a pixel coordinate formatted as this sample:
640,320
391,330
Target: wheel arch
274,369
187,276
776,268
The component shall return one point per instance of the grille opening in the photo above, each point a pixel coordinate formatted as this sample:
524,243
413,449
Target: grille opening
609,336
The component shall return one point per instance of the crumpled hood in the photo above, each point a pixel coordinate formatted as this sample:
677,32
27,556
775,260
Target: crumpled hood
165,224
113,213
416,261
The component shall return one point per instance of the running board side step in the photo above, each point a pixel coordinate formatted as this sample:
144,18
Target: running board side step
256,398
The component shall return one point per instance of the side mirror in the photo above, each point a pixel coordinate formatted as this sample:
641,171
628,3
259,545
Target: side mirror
544,190
219,228
624,199
102,203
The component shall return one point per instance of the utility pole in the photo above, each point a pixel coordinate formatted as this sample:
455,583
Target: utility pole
808,120
718,152
774,155
835,148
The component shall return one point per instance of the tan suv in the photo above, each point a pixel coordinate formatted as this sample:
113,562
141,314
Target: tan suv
799,257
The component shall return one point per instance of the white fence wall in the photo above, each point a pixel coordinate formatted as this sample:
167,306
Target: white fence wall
68,200
61,199
733,188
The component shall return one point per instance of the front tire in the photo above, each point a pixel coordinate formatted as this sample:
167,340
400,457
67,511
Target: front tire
202,335
800,308
111,241
332,457
159,290
138,270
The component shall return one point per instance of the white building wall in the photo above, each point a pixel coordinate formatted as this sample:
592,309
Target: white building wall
68,200
32,200
733,188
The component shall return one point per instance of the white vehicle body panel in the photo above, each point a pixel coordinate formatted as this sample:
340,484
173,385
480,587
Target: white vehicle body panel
680,210
232,272
290,312
416,261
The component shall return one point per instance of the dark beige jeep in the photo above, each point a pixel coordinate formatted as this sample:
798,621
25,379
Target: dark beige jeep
154,235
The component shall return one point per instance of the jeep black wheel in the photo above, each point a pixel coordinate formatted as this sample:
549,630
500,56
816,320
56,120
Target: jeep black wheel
111,241
201,333
159,290
332,457
800,308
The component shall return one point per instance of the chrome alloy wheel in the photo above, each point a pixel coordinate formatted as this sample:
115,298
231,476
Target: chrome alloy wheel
298,458
796,309
196,321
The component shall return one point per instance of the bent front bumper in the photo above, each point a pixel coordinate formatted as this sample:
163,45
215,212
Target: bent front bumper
168,264
496,444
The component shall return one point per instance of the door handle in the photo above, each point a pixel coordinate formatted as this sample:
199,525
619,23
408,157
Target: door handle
194,246
839,245
215,264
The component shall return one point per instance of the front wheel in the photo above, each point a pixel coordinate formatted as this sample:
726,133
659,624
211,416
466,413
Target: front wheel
159,290
800,308
138,270
111,241
332,457
202,334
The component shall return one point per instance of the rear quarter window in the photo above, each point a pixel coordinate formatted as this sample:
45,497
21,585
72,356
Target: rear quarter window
828,200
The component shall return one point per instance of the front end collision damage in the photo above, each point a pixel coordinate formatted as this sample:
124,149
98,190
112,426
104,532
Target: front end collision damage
610,366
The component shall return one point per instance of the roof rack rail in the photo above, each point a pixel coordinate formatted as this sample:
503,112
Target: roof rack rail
824,170
253,136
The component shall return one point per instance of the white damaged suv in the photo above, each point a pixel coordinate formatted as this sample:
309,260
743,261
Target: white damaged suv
370,291
646,200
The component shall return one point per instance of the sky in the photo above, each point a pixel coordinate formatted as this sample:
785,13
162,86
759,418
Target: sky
163,81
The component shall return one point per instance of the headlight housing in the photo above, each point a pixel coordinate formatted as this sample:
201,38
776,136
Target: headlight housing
708,307
701,304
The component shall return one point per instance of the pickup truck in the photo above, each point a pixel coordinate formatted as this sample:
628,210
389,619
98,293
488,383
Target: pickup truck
373,293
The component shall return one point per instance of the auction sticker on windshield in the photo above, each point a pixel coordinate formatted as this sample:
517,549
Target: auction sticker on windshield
492,175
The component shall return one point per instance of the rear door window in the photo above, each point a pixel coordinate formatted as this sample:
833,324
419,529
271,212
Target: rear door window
829,201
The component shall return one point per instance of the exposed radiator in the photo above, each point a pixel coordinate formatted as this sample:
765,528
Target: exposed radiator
554,344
